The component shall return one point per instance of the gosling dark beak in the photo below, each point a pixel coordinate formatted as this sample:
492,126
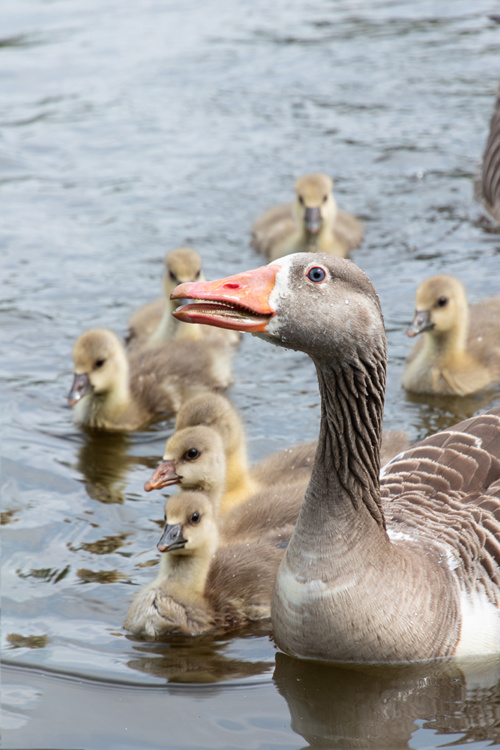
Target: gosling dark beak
313,220
421,323
81,386
162,477
171,538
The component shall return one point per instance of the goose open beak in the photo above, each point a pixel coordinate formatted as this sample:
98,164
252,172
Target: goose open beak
171,538
421,323
162,476
240,302
80,387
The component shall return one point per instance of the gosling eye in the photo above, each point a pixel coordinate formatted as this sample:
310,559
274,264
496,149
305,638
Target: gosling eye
173,277
325,198
442,301
301,200
197,274
195,518
192,454
316,274
99,363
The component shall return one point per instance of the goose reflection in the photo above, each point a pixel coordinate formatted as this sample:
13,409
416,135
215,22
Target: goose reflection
203,659
104,460
333,706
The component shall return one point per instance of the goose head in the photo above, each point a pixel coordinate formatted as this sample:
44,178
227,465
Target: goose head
314,203
312,302
193,458
181,265
440,307
100,366
190,526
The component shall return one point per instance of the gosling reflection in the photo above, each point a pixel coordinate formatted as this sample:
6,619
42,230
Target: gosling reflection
104,460
436,413
333,706
202,660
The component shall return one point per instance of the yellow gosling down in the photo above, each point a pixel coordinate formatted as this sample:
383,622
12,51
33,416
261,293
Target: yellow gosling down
200,586
459,349
312,223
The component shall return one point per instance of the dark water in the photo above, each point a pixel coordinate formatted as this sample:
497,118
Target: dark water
126,130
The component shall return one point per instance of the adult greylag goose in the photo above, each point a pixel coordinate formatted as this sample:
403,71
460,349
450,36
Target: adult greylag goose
312,223
459,352
194,459
394,569
153,324
113,391
487,184
200,586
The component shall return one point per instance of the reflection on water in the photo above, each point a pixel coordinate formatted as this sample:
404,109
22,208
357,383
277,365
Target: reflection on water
201,659
104,460
341,707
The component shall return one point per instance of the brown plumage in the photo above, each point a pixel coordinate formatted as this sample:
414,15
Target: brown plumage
395,569
118,392
153,324
459,352
312,223
487,184
199,586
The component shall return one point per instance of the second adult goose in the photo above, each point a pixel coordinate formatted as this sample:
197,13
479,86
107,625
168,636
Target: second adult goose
459,352
398,569
313,222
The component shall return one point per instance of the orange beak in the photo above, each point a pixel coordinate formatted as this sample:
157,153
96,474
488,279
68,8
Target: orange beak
239,302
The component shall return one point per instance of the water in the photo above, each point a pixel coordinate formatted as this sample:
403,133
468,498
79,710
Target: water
129,129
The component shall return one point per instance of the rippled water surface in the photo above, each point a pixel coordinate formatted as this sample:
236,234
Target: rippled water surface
128,129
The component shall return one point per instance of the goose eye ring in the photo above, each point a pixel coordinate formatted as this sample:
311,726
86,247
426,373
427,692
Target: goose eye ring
316,274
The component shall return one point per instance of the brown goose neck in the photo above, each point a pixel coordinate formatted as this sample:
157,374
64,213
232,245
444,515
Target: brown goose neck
347,466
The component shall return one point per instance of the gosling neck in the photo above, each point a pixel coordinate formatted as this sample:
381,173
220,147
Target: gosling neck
239,484
188,570
450,344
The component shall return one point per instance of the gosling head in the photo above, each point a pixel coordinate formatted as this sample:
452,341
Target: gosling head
100,365
190,525
314,203
193,458
182,264
440,305
215,411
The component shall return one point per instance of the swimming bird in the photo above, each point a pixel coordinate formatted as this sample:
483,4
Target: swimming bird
201,586
459,352
194,459
396,569
313,222
153,324
113,391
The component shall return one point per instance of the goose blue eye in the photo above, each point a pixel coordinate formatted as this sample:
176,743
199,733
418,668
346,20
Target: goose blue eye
316,274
